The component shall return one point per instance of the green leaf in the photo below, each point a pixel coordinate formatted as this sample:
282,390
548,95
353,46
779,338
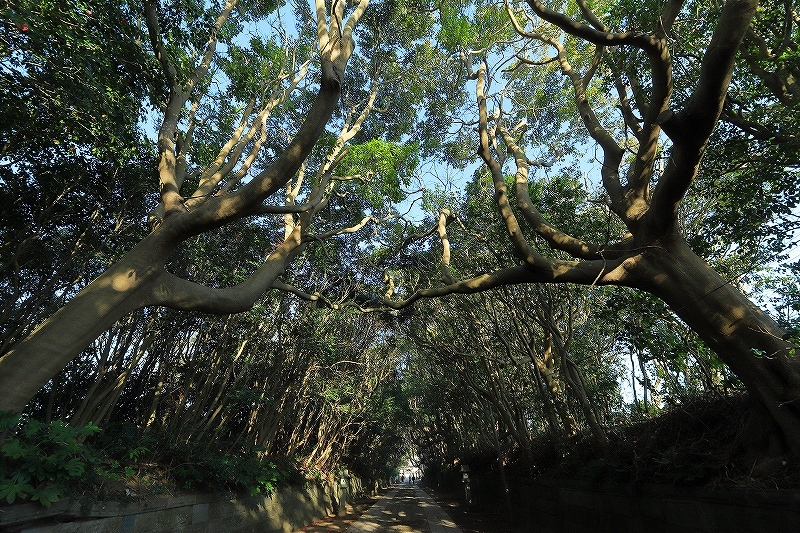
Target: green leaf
75,467
47,495
10,490
14,449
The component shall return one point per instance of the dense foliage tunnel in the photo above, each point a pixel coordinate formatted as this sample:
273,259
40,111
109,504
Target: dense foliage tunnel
246,243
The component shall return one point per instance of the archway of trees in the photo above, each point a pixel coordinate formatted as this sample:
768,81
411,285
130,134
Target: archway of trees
333,232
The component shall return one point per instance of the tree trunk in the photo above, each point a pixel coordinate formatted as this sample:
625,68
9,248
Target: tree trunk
743,336
133,282
120,290
546,368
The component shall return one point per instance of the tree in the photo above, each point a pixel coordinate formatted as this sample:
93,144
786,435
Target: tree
184,38
72,160
649,106
652,253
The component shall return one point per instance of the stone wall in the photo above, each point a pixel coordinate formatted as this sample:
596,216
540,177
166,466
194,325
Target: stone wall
565,507
287,509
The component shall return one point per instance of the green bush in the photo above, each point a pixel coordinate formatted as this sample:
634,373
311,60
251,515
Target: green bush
40,461
244,471
44,462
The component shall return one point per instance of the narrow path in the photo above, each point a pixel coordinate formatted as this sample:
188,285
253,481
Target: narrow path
405,509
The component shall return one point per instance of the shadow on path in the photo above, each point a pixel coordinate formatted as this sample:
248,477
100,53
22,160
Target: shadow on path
405,509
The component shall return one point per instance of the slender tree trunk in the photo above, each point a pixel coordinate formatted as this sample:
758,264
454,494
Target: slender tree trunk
574,378
645,381
501,467
547,404
743,336
633,380
546,368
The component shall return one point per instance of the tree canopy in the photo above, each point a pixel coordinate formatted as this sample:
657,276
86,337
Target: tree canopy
240,223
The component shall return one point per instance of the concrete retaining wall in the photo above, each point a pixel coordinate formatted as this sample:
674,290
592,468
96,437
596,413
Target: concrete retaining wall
287,509
578,507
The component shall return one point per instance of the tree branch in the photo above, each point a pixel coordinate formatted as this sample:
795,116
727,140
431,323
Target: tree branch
598,272
169,188
691,128
211,46
248,199
522,249
177,293
231,153
445,217
554,237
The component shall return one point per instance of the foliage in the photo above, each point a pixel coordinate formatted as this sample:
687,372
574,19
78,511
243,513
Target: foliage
72,86
386,168
44,462
73,79
246,470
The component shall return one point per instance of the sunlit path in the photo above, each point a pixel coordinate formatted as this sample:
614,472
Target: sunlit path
405,509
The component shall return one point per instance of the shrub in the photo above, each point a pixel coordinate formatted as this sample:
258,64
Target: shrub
40,461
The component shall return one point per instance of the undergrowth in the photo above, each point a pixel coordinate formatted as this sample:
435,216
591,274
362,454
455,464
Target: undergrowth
46,462
695,444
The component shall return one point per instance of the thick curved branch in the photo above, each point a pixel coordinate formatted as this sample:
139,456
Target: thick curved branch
612,152
591,17
523,250
509,276
669,13
177,293
184,145
596,23
654,45
353,19
336,39
691,128
597,272
588,33
554,237
661,69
